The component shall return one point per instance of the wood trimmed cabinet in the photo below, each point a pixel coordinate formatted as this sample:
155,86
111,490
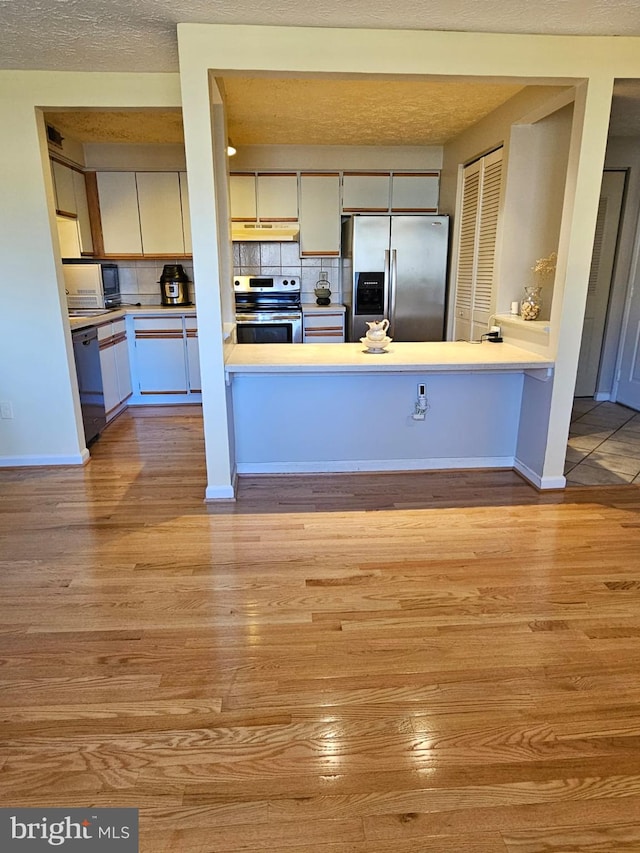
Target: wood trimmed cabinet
323,196
263,196
415,192
72,204
320,215
165,363
366,192
390,192
323,324
114,366
144,214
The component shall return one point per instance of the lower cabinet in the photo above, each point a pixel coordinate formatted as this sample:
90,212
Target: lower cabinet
323,325
193,354
114,365
164,359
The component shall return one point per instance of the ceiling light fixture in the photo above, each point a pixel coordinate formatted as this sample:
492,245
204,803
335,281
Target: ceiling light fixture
231,150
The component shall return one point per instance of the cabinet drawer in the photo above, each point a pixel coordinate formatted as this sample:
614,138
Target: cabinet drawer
326,327
161,326
323,337
329,321
105,331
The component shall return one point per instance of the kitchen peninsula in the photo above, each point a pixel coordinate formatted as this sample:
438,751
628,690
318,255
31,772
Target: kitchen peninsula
320,408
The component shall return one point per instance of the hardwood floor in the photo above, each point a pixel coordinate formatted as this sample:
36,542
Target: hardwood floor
399,663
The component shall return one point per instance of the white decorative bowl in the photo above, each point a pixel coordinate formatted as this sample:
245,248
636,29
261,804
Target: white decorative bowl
376,346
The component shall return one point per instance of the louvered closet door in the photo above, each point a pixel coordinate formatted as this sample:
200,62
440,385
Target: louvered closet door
491,179
479,218
467,250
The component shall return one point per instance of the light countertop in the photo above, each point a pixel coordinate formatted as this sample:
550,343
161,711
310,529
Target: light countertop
108,316
431,356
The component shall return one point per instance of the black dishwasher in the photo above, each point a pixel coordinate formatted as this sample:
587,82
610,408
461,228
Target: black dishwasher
86,352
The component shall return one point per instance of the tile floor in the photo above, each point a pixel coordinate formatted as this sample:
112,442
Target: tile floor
604,444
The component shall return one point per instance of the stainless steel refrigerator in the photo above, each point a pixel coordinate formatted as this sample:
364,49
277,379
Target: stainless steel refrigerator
396,267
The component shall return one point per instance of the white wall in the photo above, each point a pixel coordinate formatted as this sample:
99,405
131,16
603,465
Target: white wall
127,157
38,374
336,157
491,132
535,178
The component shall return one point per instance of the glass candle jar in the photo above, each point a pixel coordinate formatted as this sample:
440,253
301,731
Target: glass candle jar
532,303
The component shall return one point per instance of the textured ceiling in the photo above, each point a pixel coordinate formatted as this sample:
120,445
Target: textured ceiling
293,111
156,126
121,35
355,112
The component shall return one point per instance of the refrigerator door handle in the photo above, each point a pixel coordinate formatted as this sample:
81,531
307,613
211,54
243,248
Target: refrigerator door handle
393,289
387,281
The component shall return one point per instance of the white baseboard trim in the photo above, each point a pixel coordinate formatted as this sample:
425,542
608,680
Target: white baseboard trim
220,493
39,461
340,466
538,481
165,399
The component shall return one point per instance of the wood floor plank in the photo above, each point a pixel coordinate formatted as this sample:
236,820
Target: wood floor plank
361,663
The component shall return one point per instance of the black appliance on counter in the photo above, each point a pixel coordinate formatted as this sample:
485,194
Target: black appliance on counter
174,285
268,309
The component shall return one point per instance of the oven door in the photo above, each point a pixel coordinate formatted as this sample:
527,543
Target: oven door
269,327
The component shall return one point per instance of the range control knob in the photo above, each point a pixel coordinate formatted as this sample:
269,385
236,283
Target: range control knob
285,282
293,282
237,283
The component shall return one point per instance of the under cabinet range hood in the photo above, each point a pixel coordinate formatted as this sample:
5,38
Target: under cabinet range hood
242,232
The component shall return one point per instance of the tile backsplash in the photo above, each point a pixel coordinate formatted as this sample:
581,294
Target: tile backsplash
139,280
284,259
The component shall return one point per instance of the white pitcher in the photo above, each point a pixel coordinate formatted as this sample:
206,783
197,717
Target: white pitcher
377,330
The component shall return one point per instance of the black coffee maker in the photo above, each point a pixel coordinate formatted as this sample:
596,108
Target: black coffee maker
174,285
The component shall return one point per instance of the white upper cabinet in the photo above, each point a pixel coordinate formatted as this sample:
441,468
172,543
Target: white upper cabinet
71,200
242,190
143,213
277,196
82,209
319,215
68,236
160,207
118,196
365,192
413,192
64,187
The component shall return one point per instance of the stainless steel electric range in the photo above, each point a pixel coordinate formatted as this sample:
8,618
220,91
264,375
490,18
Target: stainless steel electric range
268,309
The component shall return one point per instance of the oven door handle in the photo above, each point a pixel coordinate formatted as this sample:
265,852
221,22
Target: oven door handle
261,318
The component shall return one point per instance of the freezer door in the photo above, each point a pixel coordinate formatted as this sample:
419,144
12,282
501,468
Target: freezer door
370,259
419,274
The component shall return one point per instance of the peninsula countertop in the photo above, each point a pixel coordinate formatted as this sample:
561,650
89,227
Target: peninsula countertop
447,356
